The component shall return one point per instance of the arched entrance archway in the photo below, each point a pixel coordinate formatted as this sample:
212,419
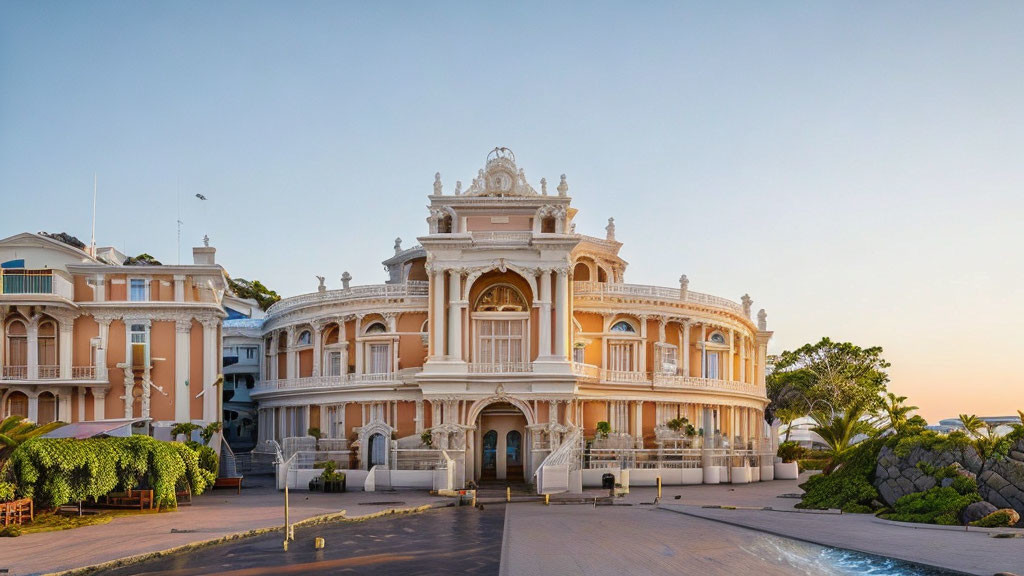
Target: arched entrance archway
499,447
378,450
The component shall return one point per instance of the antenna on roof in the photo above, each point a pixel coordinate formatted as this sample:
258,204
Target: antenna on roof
178,194
92,242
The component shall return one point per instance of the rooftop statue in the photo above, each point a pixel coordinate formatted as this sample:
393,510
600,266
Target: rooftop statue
458,187
322,287
544,186
762,320
437,184
345,279
746,300
563,187
609,229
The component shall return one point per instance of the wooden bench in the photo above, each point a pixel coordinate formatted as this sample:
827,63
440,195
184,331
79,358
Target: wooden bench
16,511
131,499
235,483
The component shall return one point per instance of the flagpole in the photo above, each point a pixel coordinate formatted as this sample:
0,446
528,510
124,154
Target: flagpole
92,242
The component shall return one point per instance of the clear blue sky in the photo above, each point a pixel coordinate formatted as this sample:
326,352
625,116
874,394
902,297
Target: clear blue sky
856,167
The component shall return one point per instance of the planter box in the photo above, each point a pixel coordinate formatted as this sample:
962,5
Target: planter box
767,473
712,474
741,475
787,471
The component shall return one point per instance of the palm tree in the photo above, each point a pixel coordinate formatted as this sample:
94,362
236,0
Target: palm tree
14,430
787,416
897,413
972,424
839,430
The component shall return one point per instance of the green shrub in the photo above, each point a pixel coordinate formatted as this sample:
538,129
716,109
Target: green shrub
55,471
790,451
848,486
857,509
964,485
935,506
812,464
208,459
6,491
209,430
997,519
903,445
603,429
12,531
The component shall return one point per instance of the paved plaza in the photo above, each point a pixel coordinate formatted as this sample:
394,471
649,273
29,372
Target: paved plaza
636,536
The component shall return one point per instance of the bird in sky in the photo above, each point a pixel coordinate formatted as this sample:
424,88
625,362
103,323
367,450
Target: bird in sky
200,196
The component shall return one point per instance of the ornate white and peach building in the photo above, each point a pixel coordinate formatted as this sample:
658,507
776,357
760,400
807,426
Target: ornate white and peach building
86,337
510,342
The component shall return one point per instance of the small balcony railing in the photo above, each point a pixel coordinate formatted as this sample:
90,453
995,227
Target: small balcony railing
48,372
20,282
500,367
15,373
83,372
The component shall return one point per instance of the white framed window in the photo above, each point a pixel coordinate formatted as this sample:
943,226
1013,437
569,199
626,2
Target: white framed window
501,341
622,356
711,365
379,358
668,358
250,353
139,342
334,363
138,290
578,355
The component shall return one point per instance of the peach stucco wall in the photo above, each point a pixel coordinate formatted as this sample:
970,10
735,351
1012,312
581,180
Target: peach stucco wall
114,405
195,377
593,412
406,419
485,223
161,334
85,330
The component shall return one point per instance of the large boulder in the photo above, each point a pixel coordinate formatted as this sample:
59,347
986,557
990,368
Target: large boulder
976,511
1003,518
1001,481
896,476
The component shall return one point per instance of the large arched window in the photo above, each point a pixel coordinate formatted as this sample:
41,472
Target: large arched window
305,338
500,320
16,360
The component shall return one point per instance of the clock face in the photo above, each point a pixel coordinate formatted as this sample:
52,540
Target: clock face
501,182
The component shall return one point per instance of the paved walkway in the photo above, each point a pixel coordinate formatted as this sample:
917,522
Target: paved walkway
212,515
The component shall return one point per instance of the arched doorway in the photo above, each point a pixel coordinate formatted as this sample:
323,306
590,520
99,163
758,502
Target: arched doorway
378,450
501,450
17,404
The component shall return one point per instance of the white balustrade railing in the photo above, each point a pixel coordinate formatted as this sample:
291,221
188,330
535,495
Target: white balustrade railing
15,373
710,384
625,377
48,371
501,236
330,381
83,372
588,371
602,289
499,367
377,291
553,474
645,459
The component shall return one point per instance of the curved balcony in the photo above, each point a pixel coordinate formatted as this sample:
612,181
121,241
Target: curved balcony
602,290
666,381
353,294
328,382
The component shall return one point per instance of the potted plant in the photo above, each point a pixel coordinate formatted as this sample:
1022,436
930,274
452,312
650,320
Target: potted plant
603,429
329,481
426,438
787,467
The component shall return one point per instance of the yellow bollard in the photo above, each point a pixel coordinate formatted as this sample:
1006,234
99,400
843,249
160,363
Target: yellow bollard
287,524
508,494
547,499
659,487
286,544
318,544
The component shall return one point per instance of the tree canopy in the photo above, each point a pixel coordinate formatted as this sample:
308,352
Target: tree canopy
254,290
840,374
142,260
65,238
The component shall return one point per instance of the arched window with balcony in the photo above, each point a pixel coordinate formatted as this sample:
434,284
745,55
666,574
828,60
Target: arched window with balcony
713,350
378,351
16,351
623,347
501,324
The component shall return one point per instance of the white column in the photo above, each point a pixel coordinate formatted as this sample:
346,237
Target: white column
318,348
703,351
210,362
561,313
179,288
33,408
290,363
686,348
64,405
729,375
419,416
454,315
67,328
99,289
81,403
182,351
33,354
359,345
544,326
439,314
99,406
743,360
101,354
273,368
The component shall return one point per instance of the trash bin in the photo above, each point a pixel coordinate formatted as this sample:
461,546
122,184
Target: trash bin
608,481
